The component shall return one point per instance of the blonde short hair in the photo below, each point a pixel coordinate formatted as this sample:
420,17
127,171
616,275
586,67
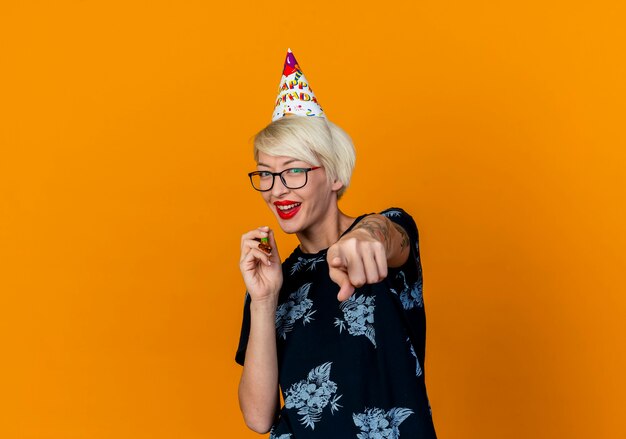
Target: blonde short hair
315,140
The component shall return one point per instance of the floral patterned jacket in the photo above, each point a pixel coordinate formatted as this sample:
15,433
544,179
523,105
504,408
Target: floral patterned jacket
353,369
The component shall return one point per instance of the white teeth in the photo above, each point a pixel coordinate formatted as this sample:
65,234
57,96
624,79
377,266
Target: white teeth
287,207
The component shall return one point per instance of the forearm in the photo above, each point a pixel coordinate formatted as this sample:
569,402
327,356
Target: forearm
258,387
391,235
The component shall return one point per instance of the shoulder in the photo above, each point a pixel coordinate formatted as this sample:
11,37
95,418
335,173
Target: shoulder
403,219
394,212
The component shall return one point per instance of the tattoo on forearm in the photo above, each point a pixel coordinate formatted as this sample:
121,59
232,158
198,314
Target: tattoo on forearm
404,243
379,229
375,228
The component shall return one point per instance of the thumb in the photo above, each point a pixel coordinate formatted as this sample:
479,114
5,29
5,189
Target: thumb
274,257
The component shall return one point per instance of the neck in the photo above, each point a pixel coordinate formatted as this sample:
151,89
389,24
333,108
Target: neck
325,233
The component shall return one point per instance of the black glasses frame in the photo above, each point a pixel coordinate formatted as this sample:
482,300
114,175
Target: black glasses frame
280,174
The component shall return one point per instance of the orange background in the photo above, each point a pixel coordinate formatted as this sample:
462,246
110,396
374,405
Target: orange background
124,142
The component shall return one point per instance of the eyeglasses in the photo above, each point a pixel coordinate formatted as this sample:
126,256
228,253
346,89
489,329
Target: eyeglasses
292,178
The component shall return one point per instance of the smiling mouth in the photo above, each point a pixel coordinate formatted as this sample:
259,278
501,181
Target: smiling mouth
286,211
287,207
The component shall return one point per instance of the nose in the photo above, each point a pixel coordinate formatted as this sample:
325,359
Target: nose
279,188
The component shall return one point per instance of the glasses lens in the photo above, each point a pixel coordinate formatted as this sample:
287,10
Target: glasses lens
262,181
294,178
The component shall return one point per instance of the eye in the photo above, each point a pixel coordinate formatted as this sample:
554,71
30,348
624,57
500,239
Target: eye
264,174
296,170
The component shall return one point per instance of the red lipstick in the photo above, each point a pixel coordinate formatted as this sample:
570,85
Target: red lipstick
287,209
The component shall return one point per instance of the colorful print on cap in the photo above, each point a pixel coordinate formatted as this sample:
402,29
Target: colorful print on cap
295,96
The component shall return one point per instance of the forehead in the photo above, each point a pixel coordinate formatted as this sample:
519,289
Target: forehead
273,161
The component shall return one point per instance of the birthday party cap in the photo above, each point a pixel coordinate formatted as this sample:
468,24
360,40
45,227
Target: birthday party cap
295,96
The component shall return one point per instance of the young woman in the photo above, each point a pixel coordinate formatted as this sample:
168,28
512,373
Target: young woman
339,326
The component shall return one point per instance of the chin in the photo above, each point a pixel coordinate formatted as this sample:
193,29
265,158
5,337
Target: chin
288,226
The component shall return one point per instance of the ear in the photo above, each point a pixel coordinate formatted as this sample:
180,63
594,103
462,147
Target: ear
336,185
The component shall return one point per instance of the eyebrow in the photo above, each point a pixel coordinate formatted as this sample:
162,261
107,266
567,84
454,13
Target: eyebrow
286,163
